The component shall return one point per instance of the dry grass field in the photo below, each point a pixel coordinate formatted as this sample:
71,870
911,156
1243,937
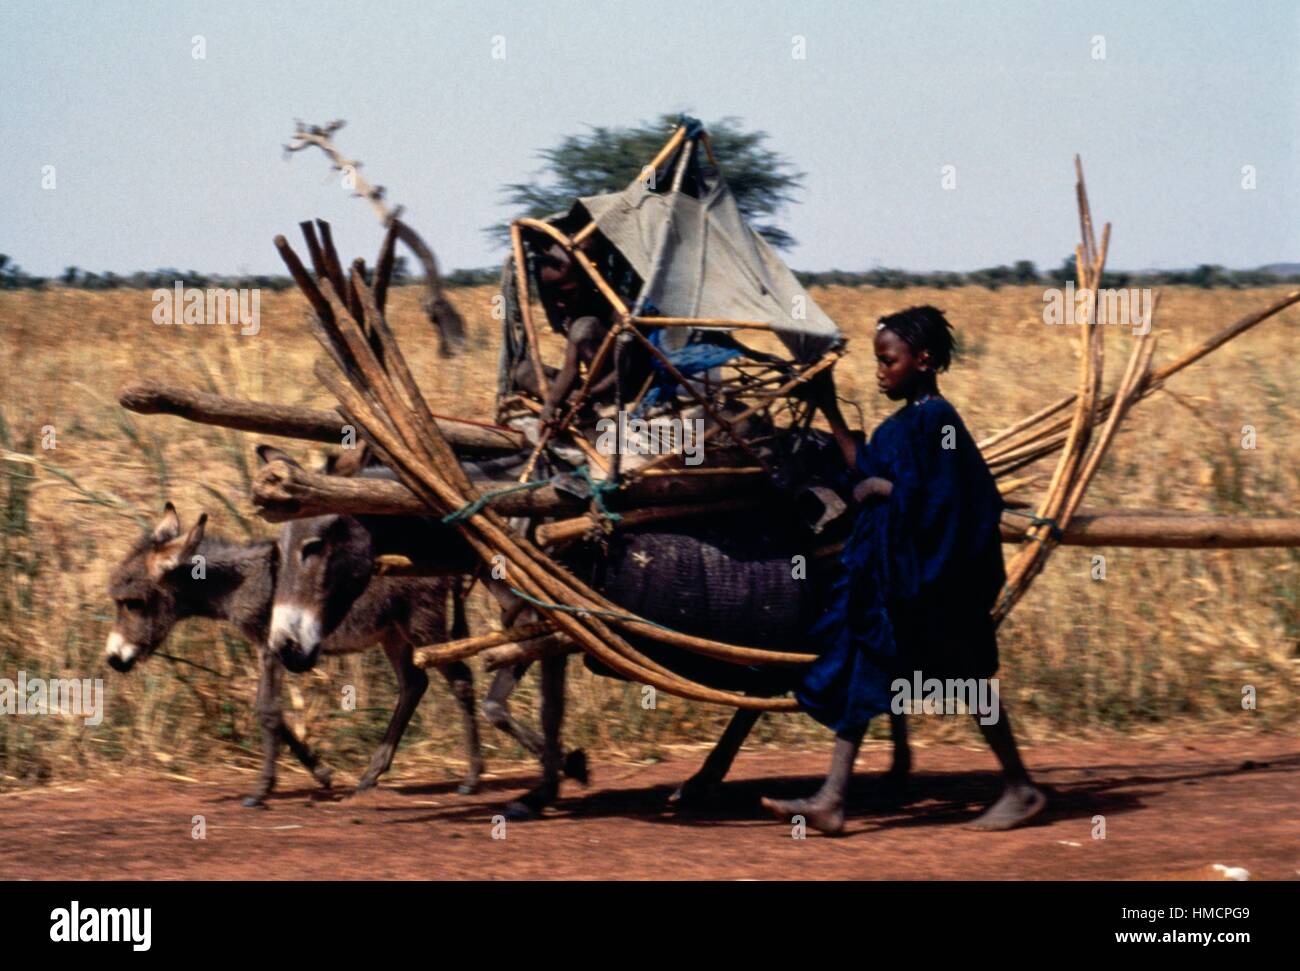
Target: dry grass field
1165,643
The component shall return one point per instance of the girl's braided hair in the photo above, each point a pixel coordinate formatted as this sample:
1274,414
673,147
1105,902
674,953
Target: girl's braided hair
923,329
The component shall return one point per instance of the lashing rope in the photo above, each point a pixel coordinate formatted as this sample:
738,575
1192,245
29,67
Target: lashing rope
1052,526
597,490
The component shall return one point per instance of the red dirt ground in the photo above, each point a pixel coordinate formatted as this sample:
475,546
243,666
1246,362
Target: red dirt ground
1173,809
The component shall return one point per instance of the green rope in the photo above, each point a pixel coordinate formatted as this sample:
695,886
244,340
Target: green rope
470,508
1035,520
598,490
585,611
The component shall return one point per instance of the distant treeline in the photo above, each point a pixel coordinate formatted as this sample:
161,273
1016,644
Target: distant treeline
1023,273
14,277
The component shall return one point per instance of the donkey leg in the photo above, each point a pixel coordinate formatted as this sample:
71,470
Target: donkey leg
461,681
531,804
902,762
268,715
304,754
496,708
411,685
702,788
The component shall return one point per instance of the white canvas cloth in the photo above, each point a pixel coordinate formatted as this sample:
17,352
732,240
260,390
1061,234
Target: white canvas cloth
700,258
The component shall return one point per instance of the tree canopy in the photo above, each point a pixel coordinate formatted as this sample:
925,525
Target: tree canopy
607,159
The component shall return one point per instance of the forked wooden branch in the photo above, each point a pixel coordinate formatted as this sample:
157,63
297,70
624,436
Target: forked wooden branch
323,138
445,319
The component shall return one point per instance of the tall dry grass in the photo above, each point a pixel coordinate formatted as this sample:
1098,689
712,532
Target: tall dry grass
1166,641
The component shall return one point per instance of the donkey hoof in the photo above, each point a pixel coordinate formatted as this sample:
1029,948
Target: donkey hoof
695,794
518,812
575,766
324,777
254,802
467,789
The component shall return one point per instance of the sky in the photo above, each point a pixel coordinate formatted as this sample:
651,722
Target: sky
162,159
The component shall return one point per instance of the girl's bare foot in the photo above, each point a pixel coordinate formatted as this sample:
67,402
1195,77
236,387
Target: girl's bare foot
1019,803
823,815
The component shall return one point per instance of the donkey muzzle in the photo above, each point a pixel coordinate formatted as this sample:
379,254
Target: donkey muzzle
297,660
120,653
295,636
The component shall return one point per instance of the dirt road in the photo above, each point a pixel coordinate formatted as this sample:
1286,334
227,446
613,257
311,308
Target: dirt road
1173,809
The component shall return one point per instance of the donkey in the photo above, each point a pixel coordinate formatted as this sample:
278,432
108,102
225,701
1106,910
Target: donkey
156,585
313,593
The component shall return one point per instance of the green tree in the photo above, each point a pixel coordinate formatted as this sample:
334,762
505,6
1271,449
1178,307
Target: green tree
607,159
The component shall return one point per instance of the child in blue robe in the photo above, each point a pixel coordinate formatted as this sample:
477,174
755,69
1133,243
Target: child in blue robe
922,570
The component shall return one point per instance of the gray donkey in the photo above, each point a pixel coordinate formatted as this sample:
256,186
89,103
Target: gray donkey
159,583
312,595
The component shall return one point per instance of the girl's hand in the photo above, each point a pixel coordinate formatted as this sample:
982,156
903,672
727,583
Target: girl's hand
819,389
874,486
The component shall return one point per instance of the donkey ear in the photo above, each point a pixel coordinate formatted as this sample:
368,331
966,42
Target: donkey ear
178,550
195,536
169,527
269,453
349,462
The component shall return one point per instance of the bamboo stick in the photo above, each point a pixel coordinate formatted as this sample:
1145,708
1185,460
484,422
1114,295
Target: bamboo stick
581,258
526,310
548,431
702,322
1026,565
1158,377
567,530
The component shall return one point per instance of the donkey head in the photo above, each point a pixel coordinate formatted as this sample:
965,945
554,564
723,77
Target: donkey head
323,564
148,586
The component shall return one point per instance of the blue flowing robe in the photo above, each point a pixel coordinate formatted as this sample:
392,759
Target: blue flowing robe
921,571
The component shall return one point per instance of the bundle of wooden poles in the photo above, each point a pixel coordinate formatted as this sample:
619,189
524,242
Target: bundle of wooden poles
380,397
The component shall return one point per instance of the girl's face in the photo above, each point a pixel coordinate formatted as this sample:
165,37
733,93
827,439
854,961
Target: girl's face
899,372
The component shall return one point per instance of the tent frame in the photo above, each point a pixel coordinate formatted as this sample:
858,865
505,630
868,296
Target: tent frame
737,385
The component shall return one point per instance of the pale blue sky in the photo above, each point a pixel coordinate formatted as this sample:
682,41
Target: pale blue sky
163,160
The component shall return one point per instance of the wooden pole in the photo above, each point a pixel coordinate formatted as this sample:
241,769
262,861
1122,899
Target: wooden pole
282,491
292,421
508,655
438,654
526,309
567,530
1166,531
